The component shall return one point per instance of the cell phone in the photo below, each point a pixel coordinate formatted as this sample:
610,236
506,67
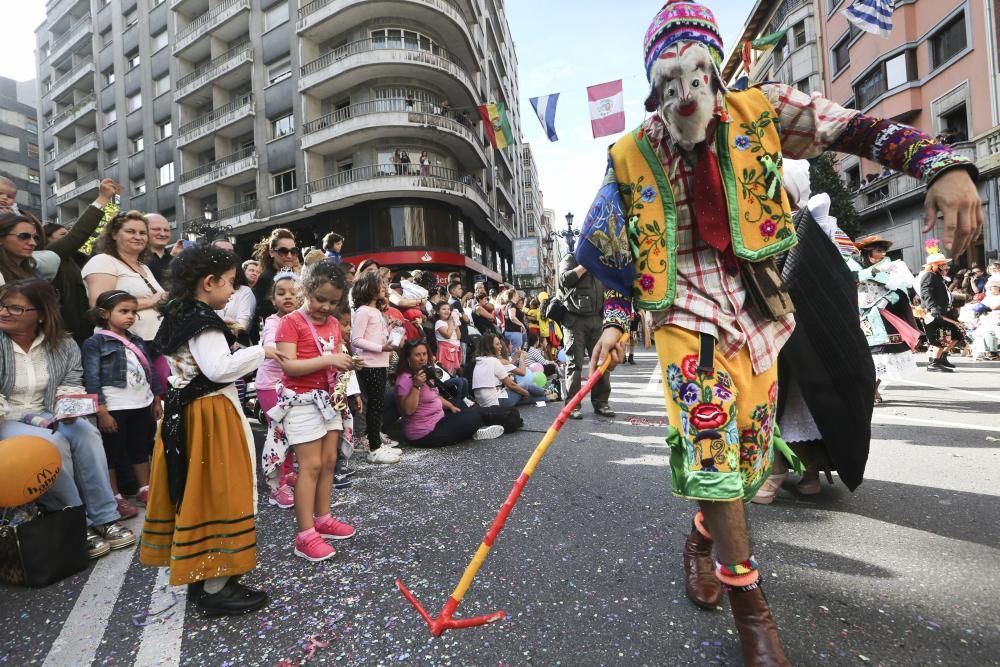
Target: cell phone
525,345
187,244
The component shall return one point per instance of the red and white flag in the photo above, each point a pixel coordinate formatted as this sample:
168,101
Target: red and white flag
607,108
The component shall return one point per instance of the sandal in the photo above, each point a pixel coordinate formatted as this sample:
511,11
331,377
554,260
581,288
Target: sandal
769,489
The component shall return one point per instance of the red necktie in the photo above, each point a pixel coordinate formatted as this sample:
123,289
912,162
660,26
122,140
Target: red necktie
708,200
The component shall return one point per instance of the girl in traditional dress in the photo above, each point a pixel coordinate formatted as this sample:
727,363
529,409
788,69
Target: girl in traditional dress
202,490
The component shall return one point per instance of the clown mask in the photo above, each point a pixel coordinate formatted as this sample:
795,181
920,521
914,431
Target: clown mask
683,85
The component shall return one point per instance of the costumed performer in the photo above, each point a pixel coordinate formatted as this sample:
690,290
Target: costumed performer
687,224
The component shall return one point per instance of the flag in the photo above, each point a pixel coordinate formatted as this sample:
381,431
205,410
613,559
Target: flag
607,108
497,127
765,41
874,16
545,109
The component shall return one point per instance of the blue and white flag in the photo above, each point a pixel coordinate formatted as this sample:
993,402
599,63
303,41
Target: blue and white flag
545,109
874,16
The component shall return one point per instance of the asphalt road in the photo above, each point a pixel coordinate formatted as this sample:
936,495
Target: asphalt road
902,572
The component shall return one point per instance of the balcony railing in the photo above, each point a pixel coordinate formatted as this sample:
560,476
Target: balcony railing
403,176
423,113
58,9
75,31
74,189
215,119
204,23
72,111
221,215
231,164
447,6
988,151
54,87
213,68
82,145
438,56
884,191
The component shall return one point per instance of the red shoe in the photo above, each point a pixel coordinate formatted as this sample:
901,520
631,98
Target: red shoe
331,529
126,510
312,547
142,497
291,478
283,497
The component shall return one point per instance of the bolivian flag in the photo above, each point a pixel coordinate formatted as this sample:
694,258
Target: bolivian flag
495,119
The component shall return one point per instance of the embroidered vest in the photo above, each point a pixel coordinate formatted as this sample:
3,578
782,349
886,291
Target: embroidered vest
760,220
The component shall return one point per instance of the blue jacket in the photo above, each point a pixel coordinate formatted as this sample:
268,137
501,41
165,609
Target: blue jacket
104,364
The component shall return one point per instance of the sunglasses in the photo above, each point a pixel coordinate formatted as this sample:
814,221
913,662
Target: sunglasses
24,236
287,251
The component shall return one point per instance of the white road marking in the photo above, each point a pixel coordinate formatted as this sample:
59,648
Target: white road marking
658,460
637,400
648,440
655,380
946,389
160,644
889,420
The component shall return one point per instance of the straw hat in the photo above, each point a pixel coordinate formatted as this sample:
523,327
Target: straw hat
873,240
936,258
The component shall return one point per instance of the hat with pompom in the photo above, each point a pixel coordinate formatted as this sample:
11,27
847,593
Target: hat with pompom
680,21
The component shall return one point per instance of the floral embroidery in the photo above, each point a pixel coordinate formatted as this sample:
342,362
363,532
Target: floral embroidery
646,282
760,188
689,366
648,194
674,377
767,228
689,393
742,142
722,393
708,415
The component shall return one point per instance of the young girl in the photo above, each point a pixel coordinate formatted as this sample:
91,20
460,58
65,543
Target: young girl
285,298
449,347
346,400
118,367
202,487
309,340
370,339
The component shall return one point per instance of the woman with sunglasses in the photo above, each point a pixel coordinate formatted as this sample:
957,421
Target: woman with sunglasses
20,236
275,252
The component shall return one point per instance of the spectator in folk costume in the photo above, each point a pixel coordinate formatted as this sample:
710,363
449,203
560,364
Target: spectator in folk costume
696,191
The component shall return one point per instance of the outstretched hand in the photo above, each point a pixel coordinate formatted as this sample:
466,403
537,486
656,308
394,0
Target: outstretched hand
954,194
610,343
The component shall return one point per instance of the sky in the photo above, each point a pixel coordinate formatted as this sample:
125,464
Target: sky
563,46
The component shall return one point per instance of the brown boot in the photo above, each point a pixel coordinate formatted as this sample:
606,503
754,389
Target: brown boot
758,633
703,587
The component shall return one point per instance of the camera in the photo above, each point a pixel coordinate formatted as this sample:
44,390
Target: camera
433,374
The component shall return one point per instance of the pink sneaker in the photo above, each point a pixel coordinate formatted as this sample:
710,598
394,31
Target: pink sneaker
142,497
291,478
126,510
283,497
312,546
331,529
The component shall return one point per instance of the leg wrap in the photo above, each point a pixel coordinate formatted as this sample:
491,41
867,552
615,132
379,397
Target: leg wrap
699,525
741,575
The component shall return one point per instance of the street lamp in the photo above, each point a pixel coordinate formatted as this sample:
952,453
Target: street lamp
569,234
206,230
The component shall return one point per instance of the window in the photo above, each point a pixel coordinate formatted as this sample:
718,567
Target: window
166,173
955,123
161,85
799,31
780,52
139,186
397,38
159,40
133,102
282,126
135,145
948,42
164,130
132,59
885,76
106,38
283,182
896,71
131,18
280,70
276,15
109,76
33,175
36,200
111,155
841,55
31,125
32,150
803,86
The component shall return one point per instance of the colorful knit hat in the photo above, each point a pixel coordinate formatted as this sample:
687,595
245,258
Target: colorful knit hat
681,21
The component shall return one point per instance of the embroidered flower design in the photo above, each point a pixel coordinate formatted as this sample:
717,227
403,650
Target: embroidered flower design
772,393
722,393
674,377
723,378
646,282
689,393
767,228
742,142
759,413
748,435
689,366
648,194
708,416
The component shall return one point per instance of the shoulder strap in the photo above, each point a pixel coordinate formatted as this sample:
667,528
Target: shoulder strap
132,347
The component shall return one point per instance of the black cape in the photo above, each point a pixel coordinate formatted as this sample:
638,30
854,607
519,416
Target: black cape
827,354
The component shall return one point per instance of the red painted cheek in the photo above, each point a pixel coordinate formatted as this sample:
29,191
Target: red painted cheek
705,77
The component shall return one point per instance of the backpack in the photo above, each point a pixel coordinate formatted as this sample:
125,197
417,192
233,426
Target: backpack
555,310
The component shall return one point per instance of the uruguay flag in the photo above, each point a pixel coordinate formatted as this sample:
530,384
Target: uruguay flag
874,16
545,109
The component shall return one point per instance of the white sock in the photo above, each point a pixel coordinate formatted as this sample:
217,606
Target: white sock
215,584
119,496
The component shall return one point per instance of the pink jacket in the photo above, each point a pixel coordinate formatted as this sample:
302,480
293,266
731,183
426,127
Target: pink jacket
369,333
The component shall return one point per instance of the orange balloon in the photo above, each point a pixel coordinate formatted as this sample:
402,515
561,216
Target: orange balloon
30,466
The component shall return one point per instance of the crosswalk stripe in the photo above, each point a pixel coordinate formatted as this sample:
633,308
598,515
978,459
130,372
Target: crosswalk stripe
160,644
655,380
980,396
647,440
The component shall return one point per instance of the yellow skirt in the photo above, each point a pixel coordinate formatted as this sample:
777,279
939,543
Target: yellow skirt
213,533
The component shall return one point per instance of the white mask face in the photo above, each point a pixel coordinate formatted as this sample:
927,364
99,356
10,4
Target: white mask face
683,77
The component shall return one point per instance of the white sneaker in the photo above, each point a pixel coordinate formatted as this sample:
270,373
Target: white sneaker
488,432
386,440
469,402
383,455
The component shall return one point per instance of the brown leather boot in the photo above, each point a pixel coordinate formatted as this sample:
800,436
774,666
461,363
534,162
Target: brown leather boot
703,587
758,633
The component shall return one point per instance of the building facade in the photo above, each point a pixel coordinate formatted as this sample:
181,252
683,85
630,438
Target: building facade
19,152
333,115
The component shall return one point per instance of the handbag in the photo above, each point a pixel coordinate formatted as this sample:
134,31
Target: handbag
555,310
44,550
766,293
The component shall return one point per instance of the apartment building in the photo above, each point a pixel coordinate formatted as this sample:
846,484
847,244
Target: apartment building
935,71
19,154
265,113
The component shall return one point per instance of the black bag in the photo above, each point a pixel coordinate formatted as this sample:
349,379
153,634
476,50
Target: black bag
555,310
44,550
508,417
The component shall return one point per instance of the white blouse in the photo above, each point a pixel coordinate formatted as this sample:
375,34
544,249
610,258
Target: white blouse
209,353
139,286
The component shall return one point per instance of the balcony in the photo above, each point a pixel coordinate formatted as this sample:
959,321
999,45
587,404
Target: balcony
78,188
55,12
66,81
321,20
897,188
419,121
381,181
217,68
65,118
219,120
988,152
65,42
214,18
233,216
83,146
229,170
358,63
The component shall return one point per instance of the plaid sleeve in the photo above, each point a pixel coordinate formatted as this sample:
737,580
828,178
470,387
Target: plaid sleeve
617,310
811,124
